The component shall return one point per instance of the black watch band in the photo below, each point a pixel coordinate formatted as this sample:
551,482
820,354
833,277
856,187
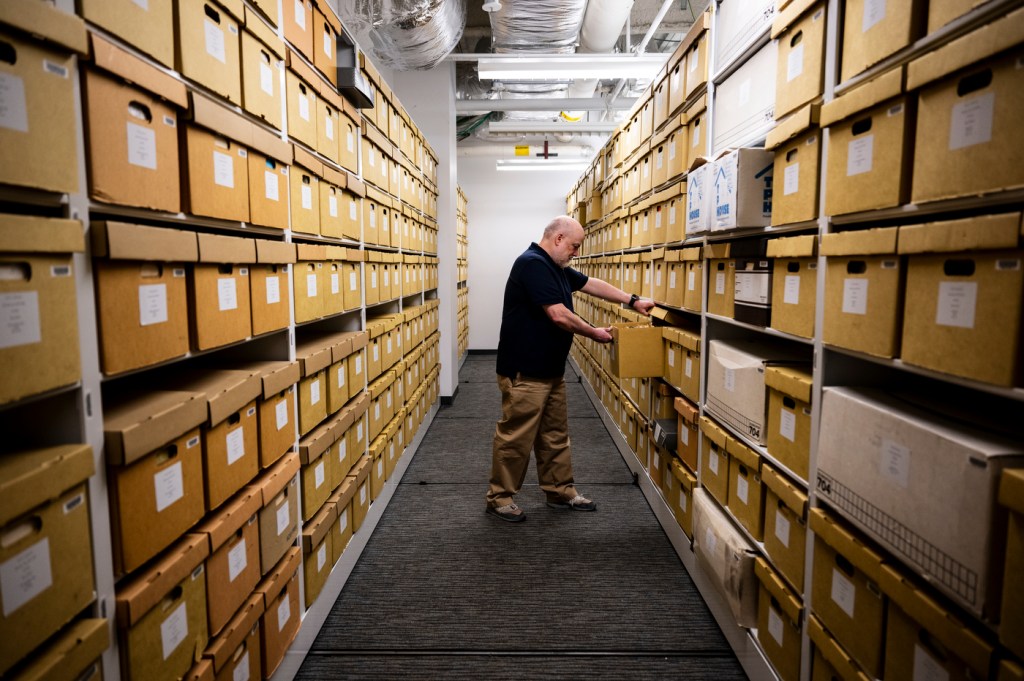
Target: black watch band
632,299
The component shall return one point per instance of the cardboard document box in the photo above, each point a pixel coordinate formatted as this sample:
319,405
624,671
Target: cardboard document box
874,30
326,28
789,417
305,192
636,350
236,649
279,515
687,428
308,282
745,101
219,304
208,49
796,142
298,25
752,295
361,501
738,25
829,660
147,26
334,276
341,531
696,57
281,614
161,613
778,621
314,357
332,223
926,477
218,179
262,55
352,211
964,290
693,295
1011,498
46,557
699,195
794,284
328,124
863,291
318,462
38,305
785,525
268,286
714,460
721,279
800,73
746,488
682,505
269,186
316,552
726,557
741,188
276,407
302,100
77,651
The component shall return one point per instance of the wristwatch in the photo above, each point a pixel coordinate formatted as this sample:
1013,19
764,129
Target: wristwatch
632,299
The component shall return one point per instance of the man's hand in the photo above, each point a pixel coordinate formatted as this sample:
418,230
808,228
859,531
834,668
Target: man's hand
644,307
602,334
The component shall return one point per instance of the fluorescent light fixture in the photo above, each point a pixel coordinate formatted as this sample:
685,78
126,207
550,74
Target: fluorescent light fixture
576,164
570,66
551,126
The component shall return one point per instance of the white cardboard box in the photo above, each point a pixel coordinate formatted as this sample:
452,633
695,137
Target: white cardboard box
744,108
742,189
698,197
737,24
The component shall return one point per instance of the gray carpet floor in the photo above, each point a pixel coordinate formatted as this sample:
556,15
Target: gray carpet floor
445,591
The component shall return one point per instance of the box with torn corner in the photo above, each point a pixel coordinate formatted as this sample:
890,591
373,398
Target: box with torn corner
279,515
219,303
282,610
920,476
726,557
236,649
38,305
46,557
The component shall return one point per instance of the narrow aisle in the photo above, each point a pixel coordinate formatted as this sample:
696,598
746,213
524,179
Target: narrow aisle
444,590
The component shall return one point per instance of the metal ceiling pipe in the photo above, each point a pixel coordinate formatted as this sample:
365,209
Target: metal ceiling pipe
602,24
557,104
406,34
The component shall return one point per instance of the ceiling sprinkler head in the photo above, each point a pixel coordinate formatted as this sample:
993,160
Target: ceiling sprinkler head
491,5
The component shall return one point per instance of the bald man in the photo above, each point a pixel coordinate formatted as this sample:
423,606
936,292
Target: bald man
537,326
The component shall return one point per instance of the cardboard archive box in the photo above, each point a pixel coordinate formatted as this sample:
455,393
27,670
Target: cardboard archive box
785,525
161,614
342,529
863,291
828,659
333,279
317,552
699,193
219,307
874,30
302,100
726,557
268,286
326,28
789,417
281,612
77,651
932,479
236,649
268,171
742,189
746,488
276,407
1011,498
687,427
39,110
233,566
964,292
778,621
796,143
636,350
314,356
308,282
297,20
262,54
714,460
696,58
279,515
304,186
794,284
148,26
361,500
744,104
942,12
46,558
969,90
131,116
38,305
721,279
208,48
328,108
800,73
216,161
318,462
693,295
871,133
352,209
682,505
332,188
155,469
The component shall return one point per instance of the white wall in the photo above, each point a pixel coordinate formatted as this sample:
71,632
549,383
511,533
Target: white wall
507,211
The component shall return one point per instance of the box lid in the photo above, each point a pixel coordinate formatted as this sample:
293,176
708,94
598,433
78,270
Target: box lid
830,531
669,317
875,241
833,652
794,125
361,470
301,69
226,249
124,241
316,528
686,480
29,234
785,19
274,252
223,646
318,441
359,340
45,21
793,246
788,493
692,253
718,250
311,252
266,35
134,70
313,355
80,644
221,120
787,600
146,588
714,432
225,390
1011,490
223,523
696,109
31,478
794,381
702,24
684,408
269,144
355,185
279,576
986,232
307,160
344,494
277,477
886,86
135,424
744,454
276,375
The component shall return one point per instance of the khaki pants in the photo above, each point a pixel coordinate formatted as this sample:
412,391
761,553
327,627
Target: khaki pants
534,416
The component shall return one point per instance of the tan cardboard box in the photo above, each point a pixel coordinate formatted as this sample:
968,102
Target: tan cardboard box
334,274
47,550
307,282
683,503
276,407
361,500
789,418
328,124
38,305
305,192
714,460
796,142
137,422
693,293
964,292
922,635
863,291
268,286
696,58
871,132
282,614
778,621
132,131
220,311
218,174
279,516
262,55
845,594
75,651
746,488
207,42
950,503
800,74
148,26
302,102
721,280
236,649
829,660
726,557
687,432
141,293
317,467
269,186
316,552
675,290
785,525
352,211
341,532
872,32
161,614
233,566
298,25
269,10
636,350
378,470
1011,496
794,284
941,12
331,200
314,357
326,28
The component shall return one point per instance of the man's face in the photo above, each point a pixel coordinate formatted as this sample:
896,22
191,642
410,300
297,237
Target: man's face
567,246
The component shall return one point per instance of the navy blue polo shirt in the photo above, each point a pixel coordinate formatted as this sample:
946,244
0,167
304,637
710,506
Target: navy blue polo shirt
529,342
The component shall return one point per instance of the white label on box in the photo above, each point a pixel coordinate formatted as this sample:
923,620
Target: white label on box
688,367
215,41
25,576
328,44
266,78
376,409
926,667
332,206
682,501
307,197
281,414
343,521
169,485
283,519
353,281
223,170
657,462
321,557
284,613
350,141
237,561
957,303
335,287
241,671
342,450
859,155
695,136
13,107
720,283
791,179
971,121
144,4
730,379
227,294
387,278
380,468
300,14
744,93
791,291
373,278
174,630
152,304
742,489
691,281
894,462
329,127
273,290
362,495
671,357
782,528
192,442
141,146
874,11
787,424
19,319
775,625
318,475
303,107
694,60
359,370
713,461
659,159
314,392
389,351
373,218
710,541
843,592
270,186
795,63
855,296
311,286
236,444
341,376
671,154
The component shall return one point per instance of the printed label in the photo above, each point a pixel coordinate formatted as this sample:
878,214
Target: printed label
174,630
713,462
321,557
688,367
318,475
227,294
328,44
352,210
691,282
843,592
223,170
241,671
343,521
273,290
926,667
215,41
13,107
971,121
342,450
141,146
332,206
271,190
19,319
859,155
791,179
855,296
152,304
671,357
350,141
353,281
742,489
300,14
782,528
329,128
694,60
311,286
957,303
894,462
236,444
874,11
267,79
787,424
283,519
795,63
237,561
314,392
281,414
335,288
682,501
775,625
362,495
720,283
25,576
170,486
730,380
791,290
304,107
307,197
284,613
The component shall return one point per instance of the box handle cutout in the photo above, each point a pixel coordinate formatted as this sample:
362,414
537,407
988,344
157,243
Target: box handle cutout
15,271
242,650
31,526
8,54
856,267
790,154
151,270
721,266
302,88
844,564
796,39
234,418
265,55
140,111
225,269
958,267
173,597
793,266
222,143
788,402
212,13
271,163
862,126
169,452
974,82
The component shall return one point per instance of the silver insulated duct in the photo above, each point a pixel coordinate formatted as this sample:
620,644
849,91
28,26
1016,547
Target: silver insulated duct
406,35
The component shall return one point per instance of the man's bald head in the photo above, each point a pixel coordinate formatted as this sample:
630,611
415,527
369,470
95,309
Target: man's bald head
562,239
